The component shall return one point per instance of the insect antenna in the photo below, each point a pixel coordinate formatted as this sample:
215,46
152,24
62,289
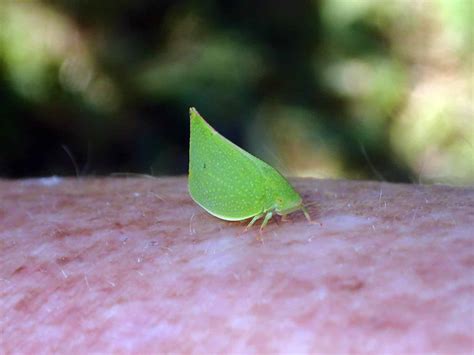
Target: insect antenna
73,160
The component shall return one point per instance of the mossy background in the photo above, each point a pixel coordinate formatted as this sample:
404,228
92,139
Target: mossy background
365,89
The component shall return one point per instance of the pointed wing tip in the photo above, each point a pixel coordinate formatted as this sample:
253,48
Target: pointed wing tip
193,112
195,116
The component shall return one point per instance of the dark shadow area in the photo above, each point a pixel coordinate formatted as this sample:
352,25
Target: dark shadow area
318,88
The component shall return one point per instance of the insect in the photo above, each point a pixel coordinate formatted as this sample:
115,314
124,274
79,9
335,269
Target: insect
232,184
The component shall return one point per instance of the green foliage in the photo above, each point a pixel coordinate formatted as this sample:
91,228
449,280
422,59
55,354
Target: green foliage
333,88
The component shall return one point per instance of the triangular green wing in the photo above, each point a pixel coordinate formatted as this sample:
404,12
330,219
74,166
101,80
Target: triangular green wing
223,178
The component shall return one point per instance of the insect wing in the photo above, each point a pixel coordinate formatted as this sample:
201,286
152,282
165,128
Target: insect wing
223,178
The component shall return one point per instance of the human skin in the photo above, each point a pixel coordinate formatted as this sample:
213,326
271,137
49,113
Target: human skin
135,266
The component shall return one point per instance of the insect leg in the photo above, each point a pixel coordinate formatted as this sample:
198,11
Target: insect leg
254,219
306,214
266,219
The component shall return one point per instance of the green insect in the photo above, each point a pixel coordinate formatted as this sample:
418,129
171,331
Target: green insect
232,184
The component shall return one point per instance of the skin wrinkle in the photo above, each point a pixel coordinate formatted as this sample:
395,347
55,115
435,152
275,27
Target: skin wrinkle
110,273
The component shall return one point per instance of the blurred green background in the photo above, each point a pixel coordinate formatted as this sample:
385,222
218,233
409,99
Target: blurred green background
362,89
